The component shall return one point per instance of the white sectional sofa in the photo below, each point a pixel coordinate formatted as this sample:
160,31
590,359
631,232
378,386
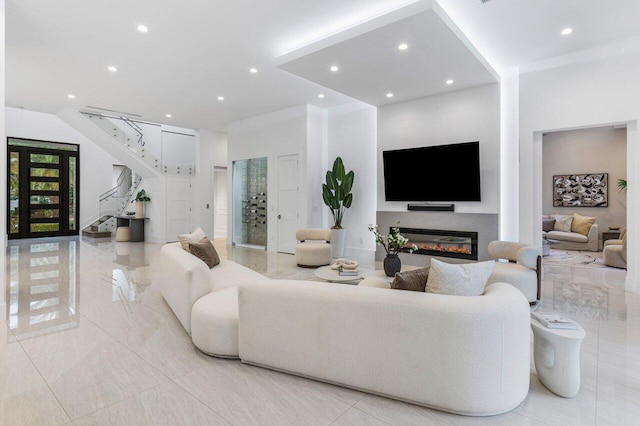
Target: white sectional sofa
465,355
204,300
573,240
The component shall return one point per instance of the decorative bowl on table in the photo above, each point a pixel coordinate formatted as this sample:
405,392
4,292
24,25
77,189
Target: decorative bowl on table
129,213
614,228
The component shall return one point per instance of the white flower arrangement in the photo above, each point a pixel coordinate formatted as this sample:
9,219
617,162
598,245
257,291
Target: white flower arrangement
394,242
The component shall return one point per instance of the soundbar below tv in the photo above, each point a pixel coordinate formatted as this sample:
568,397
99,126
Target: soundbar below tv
433,173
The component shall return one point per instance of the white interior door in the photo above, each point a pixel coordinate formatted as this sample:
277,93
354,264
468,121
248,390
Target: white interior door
287,210
178,206
220,202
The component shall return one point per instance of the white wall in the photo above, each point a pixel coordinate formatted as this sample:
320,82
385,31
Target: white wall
96,166
352,136
462,116
593,150
581,95
270,135
316,165
3,178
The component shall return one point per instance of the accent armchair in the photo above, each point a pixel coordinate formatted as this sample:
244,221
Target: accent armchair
313,248
523,268
614,252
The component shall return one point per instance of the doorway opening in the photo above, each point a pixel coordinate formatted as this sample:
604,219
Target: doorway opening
43,188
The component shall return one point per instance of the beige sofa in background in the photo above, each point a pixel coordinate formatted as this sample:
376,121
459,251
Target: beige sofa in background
573,240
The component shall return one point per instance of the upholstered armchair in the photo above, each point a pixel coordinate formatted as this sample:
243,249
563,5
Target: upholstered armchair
523,268
313,248
614,252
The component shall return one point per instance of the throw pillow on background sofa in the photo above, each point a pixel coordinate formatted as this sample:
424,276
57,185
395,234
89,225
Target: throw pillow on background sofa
582,224
548,224
466,279
563,223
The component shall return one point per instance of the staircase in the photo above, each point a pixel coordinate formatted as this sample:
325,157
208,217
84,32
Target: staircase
114,203
93,230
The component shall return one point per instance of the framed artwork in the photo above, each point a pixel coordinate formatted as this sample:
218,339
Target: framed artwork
581,190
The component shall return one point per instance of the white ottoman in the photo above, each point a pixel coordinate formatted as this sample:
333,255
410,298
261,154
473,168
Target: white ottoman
214,323
123,233
556,355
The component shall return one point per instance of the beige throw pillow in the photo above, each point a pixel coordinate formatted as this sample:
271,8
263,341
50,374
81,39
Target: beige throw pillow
582,224
205,251
414,280
563,223
466,279
193,237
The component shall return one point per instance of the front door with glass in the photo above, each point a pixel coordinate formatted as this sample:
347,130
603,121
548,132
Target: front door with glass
43,188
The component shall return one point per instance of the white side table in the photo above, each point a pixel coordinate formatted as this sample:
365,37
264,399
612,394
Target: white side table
556,355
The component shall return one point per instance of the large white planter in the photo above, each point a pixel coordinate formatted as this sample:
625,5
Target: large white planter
139,209
338,237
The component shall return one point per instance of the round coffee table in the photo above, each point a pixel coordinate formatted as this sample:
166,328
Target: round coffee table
332,275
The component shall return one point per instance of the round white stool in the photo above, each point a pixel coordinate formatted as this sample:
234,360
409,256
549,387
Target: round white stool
556,355
123,233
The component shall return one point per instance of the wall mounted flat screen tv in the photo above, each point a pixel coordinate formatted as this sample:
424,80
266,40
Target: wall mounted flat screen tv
433,173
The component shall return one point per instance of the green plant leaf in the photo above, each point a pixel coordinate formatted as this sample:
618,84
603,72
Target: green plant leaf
327,195
348,182
335,204
330,179
338,169
348,200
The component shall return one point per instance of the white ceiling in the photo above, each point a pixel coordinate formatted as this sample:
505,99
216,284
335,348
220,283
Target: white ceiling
198,50
371,65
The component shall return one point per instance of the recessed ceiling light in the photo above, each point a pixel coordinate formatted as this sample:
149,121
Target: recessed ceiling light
70,96
403,46
168,115
567,31
112,68
143,28
334,68
221,98
253,70
321,96
449,81
389,95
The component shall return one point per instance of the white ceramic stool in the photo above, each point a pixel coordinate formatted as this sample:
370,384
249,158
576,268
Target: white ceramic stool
556,355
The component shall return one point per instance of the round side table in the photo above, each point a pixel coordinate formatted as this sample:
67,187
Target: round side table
556,355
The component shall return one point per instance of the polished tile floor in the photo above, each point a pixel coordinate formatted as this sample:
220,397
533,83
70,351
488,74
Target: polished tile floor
90,341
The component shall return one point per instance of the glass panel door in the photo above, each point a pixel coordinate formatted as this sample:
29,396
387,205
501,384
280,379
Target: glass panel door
43,190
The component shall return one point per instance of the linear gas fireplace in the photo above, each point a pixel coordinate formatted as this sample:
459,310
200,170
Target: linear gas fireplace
438,242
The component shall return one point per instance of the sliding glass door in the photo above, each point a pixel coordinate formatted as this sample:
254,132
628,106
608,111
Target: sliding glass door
43,188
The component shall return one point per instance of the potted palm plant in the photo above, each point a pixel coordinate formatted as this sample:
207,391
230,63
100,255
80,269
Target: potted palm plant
336,194
141,198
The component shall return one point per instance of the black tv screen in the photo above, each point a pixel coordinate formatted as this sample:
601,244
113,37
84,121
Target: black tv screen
433,173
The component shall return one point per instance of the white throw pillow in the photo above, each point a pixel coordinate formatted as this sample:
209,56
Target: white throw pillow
194,237
466,279
563,223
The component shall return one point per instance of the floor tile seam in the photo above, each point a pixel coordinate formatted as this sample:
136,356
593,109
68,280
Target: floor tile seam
115,339
370,414
530,418
341,415
47,384
174,380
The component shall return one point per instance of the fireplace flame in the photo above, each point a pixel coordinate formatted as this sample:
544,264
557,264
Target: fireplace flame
437,247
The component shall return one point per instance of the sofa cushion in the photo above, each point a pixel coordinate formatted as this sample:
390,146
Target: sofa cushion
467,279
521,277
229,273
193,237
563,223
205,251
413,280
581,224
572,237
548,224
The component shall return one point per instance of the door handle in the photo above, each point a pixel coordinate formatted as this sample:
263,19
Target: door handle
279,216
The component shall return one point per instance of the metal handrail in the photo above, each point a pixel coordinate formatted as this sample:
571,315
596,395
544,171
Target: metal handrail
121,177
